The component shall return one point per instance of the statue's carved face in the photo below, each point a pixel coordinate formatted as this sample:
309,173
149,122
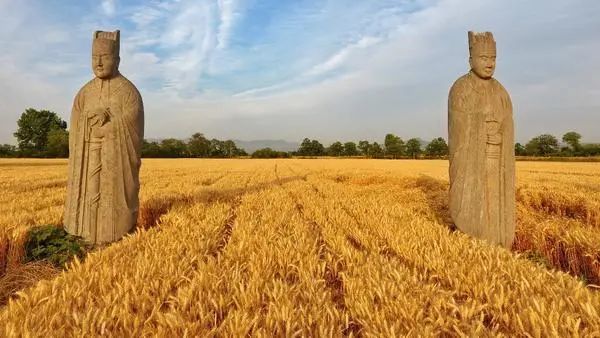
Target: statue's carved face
104,64
105,58
483,64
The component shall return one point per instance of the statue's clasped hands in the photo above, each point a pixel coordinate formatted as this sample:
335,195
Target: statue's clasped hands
99,116
492,128
99,119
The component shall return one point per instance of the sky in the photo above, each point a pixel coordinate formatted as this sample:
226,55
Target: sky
289,69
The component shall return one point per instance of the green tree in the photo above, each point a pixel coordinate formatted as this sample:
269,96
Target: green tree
394,146
199,146
305,147
437,148
572,139
231,149
542,145
33,128
413,148
520,150
173,148
376,150
590,149
150,149
217,148
58,143
365,148
350,149
269,153
7,150
310,147
317,148
240,152
336,149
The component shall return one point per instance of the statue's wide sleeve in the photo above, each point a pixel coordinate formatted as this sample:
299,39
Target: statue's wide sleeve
76,112
456,118
457,146
133,113
75,173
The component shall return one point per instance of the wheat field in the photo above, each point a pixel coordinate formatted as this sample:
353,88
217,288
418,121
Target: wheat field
310,248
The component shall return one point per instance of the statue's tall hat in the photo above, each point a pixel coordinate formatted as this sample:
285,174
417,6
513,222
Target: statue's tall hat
481,42
106,42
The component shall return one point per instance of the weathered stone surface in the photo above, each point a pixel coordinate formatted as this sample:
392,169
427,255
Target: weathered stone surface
481,146
105,138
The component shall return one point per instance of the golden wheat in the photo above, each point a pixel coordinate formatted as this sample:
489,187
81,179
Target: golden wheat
312,248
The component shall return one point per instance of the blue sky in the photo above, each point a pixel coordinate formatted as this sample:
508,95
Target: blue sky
331,69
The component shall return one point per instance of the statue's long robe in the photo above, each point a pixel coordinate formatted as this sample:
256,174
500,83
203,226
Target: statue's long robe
482,175
103,184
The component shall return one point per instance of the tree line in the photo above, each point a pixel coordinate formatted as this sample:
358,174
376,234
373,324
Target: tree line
42,133
548,145
195,146
392,147
544,145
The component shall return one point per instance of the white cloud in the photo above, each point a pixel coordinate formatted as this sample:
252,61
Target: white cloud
109,7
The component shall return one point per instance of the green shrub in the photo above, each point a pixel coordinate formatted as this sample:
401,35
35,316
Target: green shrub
53,244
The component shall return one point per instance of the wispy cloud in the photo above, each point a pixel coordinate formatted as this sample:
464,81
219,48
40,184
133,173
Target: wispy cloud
261,69
227,16
339,58
320,72
144,16
186,35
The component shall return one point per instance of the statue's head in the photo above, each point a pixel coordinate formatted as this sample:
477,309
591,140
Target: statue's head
105,54
482,52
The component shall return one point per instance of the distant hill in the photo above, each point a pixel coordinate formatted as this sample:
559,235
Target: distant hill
279,145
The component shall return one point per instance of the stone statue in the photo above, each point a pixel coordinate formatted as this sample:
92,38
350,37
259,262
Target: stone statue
105,138
481,146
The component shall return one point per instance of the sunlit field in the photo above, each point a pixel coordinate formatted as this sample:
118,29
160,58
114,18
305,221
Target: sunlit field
307,247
